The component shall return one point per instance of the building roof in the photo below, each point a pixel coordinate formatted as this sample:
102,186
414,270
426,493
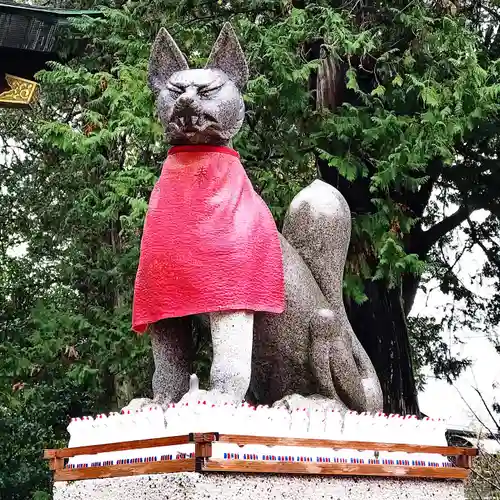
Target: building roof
28,39
33,28
11,6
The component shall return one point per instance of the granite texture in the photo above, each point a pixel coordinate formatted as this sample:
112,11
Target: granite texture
318,226
165,59
199,106
232,336
227,56
173,353
308,355
194,486
310,349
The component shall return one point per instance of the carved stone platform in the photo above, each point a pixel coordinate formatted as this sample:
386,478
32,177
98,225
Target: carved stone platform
215,486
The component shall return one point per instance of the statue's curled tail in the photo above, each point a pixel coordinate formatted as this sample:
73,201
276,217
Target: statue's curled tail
318,226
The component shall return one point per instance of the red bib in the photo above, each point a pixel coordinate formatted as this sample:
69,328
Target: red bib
209,243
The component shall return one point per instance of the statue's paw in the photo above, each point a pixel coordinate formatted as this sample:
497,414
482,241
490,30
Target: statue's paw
208,397
193,397
294,402
211,397
373,395
139,404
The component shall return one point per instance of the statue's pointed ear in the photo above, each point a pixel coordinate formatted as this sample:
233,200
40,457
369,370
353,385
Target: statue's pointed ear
165,59
227,56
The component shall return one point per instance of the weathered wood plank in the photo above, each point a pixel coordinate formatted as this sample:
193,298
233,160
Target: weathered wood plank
56,463
185,465
124,445
329,469
262,440
353,445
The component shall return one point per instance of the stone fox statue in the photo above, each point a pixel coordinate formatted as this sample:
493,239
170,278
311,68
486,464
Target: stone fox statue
211,252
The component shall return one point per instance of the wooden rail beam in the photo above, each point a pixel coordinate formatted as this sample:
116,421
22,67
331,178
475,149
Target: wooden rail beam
122,470
203,460
122,446
242,440
329,469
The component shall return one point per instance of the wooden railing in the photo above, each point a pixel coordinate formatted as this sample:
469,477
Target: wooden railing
203,461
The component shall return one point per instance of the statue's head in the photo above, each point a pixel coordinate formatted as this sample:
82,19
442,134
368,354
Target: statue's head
199,106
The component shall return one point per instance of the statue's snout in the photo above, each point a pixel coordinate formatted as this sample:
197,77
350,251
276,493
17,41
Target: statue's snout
187,109
187,101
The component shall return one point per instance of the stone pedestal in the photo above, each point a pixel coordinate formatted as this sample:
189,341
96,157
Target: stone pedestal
216,486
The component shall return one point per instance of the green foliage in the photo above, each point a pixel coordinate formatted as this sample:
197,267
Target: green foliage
418,113
429,349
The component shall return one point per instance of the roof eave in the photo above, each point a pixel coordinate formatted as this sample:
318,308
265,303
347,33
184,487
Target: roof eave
22,8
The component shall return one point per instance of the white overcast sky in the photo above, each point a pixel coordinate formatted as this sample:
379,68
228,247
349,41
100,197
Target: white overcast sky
439,399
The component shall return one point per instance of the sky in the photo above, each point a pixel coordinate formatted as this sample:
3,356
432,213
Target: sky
459,402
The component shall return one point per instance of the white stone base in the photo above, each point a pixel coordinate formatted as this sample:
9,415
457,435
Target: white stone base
215,486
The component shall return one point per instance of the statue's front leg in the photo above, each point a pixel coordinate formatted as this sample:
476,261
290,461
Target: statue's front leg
232,337
172,345
173,351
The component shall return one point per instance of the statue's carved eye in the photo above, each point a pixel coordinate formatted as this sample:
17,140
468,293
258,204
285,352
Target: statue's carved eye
209,92
174,91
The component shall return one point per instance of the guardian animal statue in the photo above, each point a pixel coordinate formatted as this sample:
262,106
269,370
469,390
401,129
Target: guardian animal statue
211,252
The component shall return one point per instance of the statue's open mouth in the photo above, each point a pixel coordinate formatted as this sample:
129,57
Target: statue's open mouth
189,121
192,124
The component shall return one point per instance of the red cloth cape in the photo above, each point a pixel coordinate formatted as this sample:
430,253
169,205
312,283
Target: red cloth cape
209,243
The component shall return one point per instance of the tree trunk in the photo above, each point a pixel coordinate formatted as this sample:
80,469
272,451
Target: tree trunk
380,322
380,325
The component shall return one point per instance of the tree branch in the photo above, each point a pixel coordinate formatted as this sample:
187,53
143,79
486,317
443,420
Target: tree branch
419,200
432,235
421,197
490,254
410,286
496,487
492,12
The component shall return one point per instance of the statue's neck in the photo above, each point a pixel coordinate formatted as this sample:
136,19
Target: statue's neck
202,148
228,144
